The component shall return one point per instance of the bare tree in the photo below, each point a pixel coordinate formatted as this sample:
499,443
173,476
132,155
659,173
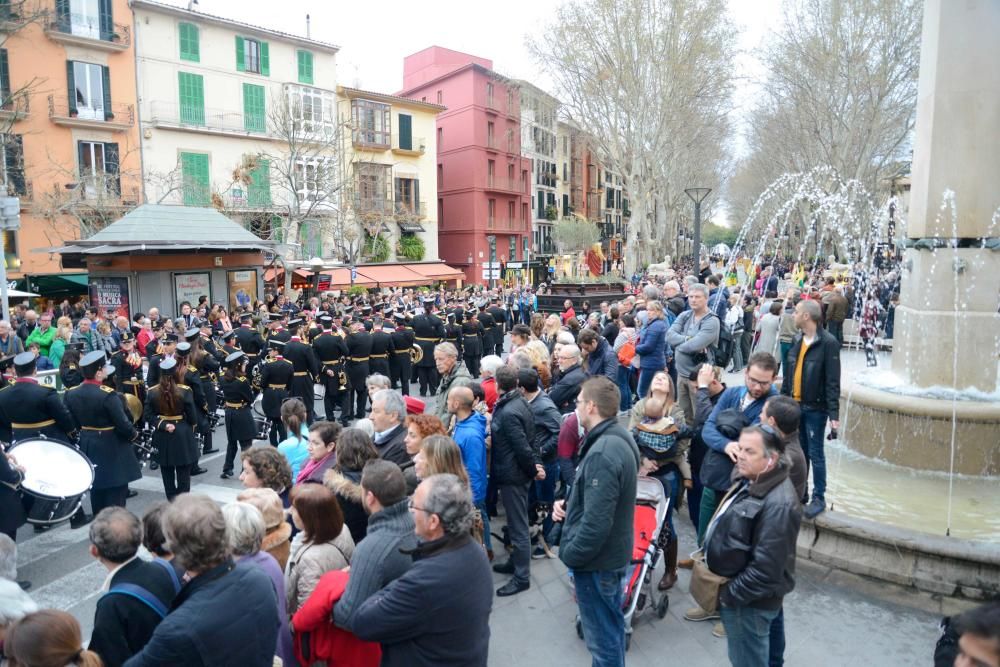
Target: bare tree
650,81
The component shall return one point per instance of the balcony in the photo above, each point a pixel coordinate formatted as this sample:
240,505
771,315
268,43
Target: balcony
15,108
410,210
224,122
84,31
491,143
118,118
491,106
503,184
374,206
371,140
416,146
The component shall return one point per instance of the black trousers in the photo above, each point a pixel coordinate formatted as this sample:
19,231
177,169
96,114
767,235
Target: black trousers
428,378
472,363
231,452
400,372
334,398
278,433
176,480
113,496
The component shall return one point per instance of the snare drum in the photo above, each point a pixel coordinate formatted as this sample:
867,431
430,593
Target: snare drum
55,479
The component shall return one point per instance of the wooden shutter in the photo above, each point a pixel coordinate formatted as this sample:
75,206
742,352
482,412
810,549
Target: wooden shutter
416,196
253,108
305,59
70,87
260,185
190,47
112,168
397,184
191,93
4,78
106,84
265,60
240,63
194,174
62,14
405,132
14,163
105,20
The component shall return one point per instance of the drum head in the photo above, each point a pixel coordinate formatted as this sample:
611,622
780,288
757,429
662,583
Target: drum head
52,468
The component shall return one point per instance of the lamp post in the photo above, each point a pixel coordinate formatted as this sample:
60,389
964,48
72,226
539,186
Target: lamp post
697,195
316,264
492,240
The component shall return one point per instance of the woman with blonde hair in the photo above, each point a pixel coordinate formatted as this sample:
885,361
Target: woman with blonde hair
440,454
553,325
277,531
59,343
537,325
539,355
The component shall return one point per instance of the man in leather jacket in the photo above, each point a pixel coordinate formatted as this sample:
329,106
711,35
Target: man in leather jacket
751,540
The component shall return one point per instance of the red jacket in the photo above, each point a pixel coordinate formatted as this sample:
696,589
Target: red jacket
490,389
568,315
318,639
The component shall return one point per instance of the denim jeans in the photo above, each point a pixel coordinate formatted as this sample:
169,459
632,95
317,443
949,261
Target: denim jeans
646,379
748,632
545,491
812,428
625,387
487,538
776,650
670,479
599,597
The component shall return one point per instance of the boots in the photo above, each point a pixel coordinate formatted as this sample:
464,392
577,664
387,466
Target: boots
669,577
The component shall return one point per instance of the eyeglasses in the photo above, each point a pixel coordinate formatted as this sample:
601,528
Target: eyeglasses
759,383
414,507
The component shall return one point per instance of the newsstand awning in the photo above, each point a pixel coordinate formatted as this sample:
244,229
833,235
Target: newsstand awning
438,271
392,275
417,274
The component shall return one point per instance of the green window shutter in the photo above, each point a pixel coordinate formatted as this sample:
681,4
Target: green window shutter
254,119
4,77
105,20
194,172
240,65
265,60
70,86
191,88
277,229
106,83
260,185
305,59
112,167
190,46
405,132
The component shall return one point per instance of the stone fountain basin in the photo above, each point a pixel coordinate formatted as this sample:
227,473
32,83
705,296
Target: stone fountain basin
916,432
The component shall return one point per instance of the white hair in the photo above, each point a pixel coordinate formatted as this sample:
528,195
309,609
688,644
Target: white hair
378,380
392,402
245,528
671,284
565,338
366,425
490,363
571,349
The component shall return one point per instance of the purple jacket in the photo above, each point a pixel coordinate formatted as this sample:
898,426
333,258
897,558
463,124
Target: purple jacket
270,567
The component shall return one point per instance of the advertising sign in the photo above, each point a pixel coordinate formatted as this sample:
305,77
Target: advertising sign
110,296
190,286
242,288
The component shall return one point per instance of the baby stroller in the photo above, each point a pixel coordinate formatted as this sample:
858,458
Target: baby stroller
651,537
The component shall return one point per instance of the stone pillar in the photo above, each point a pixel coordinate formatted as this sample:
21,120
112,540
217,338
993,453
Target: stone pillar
957,148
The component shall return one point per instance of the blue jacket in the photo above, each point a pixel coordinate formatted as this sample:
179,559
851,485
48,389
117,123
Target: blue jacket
603,361
225,616
717,468
652,344
470,436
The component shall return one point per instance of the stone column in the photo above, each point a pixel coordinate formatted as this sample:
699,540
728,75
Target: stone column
957,148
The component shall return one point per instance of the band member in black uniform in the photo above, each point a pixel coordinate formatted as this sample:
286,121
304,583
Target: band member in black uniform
428,331
500,319
229,343
278,330
382,348
106,434
208,343
331,351
490,327
206,367
306,368
170,410
249,339
11,510
168,349
187,375
472,343
128,368
29,409
400,364
239,396
69,367
359,348
275,381
453,331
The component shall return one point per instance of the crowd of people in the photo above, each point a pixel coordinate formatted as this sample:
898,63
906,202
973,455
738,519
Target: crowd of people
363,534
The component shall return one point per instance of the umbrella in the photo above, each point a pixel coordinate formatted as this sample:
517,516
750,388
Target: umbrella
16,293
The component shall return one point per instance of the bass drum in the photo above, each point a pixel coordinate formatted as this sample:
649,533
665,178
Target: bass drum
56,477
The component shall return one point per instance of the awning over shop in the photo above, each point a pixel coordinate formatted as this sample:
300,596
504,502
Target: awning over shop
411,227
392,275
57,284
301,274
437,271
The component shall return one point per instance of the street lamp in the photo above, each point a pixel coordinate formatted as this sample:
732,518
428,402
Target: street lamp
492,240
316,264
697,195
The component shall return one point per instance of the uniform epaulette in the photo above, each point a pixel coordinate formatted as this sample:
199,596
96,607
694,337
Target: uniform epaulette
70,389
73,366
107,389
184,386
242,379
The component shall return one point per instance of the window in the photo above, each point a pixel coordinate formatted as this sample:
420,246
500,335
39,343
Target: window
372,183
513,248
491,212
490,136
440,140
371,122
511,214
440,183
541,205
407,195
194,179
259,191
85,18
98,164
440,97
305,60
405,132
311,110
254,119
510,100
252,56
311,236
192,98
12,165
489,95
89,90
314,178
4,79
188,37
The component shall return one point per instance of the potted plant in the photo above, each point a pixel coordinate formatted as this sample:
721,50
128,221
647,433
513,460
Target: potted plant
109,115
73,112
411,247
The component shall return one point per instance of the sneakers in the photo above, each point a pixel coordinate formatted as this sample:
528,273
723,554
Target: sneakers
719,630
539,553
814,508
698,614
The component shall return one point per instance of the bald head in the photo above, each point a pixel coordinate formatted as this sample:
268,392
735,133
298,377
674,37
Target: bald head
460,401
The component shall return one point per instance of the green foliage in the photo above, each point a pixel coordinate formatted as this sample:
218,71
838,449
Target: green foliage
551,212
411,247
357,290
377,248
713,234
575,235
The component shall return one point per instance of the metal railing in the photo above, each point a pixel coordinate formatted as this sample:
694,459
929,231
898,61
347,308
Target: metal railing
219,120
409,209
62,108
417,144
87,27
374,205
491,142
503,183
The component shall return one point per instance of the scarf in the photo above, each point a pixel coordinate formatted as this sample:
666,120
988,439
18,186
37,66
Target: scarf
309,467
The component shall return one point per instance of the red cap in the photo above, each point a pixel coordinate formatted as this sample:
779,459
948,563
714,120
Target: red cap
414,406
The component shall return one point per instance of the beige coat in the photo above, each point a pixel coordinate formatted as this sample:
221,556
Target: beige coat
308,562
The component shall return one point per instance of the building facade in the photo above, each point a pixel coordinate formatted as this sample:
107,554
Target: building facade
242,118
539,143
389,175
483,200
68,124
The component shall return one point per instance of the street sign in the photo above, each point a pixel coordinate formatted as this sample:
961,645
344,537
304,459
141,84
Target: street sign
491,265
354,273
491,274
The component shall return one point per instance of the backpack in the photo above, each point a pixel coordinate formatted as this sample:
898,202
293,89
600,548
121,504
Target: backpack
627,352
724,348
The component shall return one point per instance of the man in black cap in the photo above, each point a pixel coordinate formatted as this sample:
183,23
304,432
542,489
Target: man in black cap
207,343
206,368
382,347
277,327
500,319
188,375
472,342
428,331
168,349
230,344
305,366
359,348
249,339
29,409
128,367
331,351
275,382
490,327
400,363
453,331
106,434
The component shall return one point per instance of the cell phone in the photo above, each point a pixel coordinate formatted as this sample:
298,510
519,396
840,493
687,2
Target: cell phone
832,435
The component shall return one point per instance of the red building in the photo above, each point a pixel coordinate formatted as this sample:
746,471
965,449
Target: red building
483,182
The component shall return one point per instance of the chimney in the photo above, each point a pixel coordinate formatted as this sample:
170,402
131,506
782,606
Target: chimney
308,30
